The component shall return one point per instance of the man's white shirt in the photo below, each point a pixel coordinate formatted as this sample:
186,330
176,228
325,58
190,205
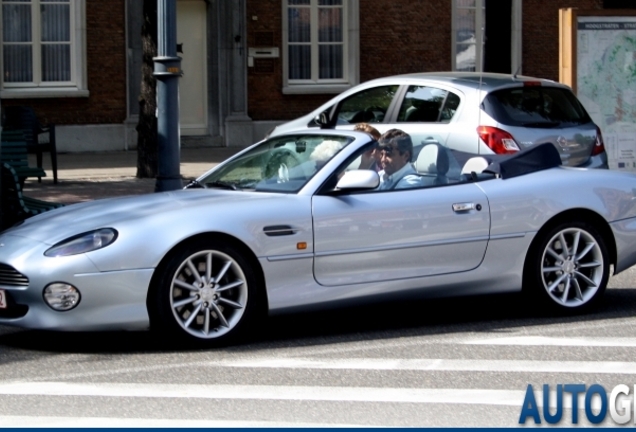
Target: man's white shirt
404,178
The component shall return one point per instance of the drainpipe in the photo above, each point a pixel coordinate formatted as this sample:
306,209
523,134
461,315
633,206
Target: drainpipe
167,71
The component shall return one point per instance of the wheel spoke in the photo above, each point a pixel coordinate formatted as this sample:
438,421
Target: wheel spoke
184,285
224,322
554,254
551,269
577,239
577,288
564,244
208,267
223,271
229,286
588,248
556,283
585,279
206,323
591,264
566,291
185,302
194,271
231,303
194,315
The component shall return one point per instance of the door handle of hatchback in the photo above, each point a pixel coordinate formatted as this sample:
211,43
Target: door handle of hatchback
465,207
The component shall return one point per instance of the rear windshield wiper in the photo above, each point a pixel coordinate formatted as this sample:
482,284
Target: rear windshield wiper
548,125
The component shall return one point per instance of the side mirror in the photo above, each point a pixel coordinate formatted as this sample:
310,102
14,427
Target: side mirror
322,119
359,179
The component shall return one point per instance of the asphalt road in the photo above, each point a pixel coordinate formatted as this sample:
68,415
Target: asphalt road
457,362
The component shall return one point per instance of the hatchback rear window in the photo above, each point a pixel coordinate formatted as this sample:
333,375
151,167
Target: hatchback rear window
535,106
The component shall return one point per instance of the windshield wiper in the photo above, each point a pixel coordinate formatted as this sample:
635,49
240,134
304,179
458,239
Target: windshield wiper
194,184
222,185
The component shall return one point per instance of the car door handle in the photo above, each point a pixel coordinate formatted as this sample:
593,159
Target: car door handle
465,207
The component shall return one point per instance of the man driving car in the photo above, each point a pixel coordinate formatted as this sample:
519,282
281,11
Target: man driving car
396,150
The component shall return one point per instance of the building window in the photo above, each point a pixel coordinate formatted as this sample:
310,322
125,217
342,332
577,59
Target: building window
468,34
43,48
320,53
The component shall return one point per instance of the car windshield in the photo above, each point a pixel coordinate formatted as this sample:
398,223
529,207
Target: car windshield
281,164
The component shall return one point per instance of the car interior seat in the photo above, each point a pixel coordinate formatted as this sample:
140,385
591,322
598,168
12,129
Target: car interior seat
422,111
363,116
432,164
475,165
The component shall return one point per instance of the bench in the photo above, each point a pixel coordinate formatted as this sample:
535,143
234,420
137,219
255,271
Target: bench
39,138
15,206
14,152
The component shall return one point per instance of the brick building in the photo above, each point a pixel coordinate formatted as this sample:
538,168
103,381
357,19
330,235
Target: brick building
250,64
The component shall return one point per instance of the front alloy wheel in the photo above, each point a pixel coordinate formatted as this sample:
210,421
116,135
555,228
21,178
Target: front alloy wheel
208,294
207,291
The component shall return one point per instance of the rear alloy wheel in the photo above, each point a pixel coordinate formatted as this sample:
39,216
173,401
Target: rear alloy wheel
208,293
571,268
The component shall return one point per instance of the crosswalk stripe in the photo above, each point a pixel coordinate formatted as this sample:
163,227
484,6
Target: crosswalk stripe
457,365
289,393
469,365
512,398
554,341
117,422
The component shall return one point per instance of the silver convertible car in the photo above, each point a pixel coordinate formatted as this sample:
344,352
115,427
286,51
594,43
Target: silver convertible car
292,223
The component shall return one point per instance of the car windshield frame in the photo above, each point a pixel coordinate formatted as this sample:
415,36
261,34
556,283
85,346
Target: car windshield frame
282,164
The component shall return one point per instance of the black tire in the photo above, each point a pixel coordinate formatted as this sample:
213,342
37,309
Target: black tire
211,307
568,279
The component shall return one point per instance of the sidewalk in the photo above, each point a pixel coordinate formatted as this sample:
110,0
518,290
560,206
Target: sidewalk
89,176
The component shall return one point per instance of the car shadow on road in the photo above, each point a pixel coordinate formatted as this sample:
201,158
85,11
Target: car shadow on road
493,313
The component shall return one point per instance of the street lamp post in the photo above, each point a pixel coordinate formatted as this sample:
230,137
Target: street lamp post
167,71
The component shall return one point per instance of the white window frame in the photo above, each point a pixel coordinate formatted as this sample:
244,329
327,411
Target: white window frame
479,5
351,53
77,86
480,26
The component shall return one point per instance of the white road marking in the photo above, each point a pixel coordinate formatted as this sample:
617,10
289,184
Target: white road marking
554,341
117,422
251,392
466,365
511,398
419,364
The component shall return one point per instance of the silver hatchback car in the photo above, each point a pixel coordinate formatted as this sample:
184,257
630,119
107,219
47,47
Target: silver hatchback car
480,113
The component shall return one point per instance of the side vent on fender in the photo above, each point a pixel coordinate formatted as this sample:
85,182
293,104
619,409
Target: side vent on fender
279,230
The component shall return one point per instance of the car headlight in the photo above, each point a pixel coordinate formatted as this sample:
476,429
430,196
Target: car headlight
83,243
61,296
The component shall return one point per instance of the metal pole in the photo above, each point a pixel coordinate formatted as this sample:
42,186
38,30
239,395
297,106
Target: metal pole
167,71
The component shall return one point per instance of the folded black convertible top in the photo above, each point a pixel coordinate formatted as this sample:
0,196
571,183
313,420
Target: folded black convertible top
532,159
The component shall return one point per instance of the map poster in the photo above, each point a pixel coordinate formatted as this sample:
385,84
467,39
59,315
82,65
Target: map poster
606,82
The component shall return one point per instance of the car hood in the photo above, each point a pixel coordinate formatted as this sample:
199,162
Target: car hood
58,224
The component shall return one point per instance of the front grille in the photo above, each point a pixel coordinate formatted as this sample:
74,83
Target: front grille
11,277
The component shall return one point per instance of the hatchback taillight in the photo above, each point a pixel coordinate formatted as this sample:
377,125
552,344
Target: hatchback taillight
599,145
499,141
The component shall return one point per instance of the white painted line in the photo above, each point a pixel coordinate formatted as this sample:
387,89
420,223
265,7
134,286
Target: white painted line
628,368
467,365
555,341
286,393
456,365
118,422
